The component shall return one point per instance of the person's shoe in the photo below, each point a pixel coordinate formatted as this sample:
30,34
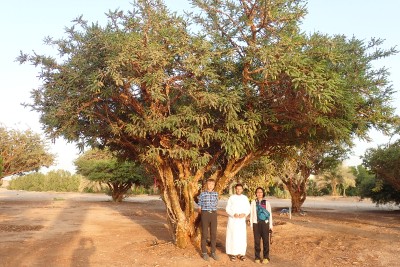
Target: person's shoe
214,256
241,257
257,261
205,257
265,261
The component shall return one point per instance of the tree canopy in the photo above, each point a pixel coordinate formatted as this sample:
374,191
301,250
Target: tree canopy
22,152
384,163
119,175
204,95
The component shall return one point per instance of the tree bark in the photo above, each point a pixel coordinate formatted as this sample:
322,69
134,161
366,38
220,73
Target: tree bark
179,188
298,193
334,187
118,190
297,200
177,195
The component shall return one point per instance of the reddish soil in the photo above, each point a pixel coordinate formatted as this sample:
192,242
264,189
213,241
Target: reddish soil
70,229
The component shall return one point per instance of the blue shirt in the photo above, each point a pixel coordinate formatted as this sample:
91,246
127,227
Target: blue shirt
208,200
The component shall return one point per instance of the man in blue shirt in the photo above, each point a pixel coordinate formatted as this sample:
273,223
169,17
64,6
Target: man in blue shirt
208,201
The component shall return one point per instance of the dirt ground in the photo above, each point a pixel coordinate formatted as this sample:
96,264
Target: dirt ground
71,229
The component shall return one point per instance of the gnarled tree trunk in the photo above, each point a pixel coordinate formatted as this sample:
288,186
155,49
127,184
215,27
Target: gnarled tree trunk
297,190
177,195
179,189
118,190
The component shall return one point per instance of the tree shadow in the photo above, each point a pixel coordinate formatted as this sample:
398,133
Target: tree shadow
83,253
51,216
150,215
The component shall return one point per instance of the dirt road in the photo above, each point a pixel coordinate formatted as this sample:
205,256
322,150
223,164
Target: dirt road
72,229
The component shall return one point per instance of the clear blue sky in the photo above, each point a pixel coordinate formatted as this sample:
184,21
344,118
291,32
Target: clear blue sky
25,23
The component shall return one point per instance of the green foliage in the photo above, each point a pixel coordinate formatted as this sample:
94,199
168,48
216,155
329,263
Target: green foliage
146,85
142,190
338,178
384,162
59,181
385,194
312,188
103,166
367,188
279,191
259,173
88,186
22,152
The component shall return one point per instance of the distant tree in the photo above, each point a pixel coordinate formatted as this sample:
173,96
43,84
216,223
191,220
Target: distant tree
299,162
55,180
259,173
384,162
203,96
339,175
1,167
313,188
119,175
365,180
348,179
22,152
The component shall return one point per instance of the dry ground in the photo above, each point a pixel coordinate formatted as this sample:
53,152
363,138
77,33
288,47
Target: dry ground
70,229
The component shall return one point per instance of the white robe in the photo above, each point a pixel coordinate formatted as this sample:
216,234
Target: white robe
236,232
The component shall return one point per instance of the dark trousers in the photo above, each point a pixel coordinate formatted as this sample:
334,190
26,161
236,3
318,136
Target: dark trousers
261,231
208,221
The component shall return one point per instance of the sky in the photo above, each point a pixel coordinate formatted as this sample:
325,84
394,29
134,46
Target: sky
25,23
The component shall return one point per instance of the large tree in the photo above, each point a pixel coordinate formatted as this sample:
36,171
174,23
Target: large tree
105,167
22,152
204,96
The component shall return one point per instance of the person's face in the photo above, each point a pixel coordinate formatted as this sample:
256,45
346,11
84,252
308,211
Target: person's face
259,193
210,186
239,190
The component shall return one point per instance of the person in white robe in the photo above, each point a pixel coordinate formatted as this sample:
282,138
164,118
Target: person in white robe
238,208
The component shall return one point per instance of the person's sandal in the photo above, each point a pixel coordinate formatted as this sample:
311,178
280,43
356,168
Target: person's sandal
242,258
232,257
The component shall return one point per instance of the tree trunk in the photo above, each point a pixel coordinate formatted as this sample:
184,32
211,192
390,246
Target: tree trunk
179,187
297,199
177,195
118,190
334,188
298,193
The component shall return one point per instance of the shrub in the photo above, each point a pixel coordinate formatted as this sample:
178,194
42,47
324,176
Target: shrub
59,181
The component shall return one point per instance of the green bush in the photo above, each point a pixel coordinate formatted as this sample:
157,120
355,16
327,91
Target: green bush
59,181
278,192
64,181
139,190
